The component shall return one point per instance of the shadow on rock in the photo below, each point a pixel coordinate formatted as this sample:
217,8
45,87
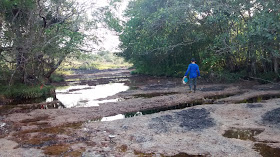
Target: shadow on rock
272,117
188,120
194,119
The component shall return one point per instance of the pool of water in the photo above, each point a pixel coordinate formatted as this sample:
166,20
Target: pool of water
248,134
87,96
242,134
260,98
266,150
151,111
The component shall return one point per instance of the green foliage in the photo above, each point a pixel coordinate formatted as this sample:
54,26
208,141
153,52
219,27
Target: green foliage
4,73
156,40
21,91
225,76
112,22
268,77
36,36
101,60
226,37
56,78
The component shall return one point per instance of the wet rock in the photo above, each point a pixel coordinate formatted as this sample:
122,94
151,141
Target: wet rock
218,88
254,105
267,87
159,86
272,117
194,119
189,120
43,144
160,123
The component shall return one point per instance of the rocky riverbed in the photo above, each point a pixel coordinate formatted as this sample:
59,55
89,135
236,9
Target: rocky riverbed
155,117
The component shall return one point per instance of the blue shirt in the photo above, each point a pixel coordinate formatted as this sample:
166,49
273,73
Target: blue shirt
193,69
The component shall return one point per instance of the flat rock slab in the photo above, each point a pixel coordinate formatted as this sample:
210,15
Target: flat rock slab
195,130
198,128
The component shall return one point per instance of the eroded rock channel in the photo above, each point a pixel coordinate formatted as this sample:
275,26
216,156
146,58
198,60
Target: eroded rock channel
144,116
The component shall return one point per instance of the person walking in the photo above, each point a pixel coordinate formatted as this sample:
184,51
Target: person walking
193,69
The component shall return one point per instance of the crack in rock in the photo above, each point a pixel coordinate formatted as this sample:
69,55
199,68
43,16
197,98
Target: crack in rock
254,105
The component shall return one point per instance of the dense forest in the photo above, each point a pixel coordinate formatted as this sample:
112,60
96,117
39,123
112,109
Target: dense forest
229,38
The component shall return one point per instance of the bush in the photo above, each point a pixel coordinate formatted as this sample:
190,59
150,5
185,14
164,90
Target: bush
4,75
21,91
134,72
57,78
268,77
222,76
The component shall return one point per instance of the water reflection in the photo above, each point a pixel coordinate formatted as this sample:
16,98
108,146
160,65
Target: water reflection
146,112
111,118
119,116
86,96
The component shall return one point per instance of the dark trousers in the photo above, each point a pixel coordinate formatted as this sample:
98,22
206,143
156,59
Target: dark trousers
192,82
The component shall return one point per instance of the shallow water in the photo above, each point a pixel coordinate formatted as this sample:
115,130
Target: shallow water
266,151
260,98
151,95
242,134
151,111
248,134
111,118
87,96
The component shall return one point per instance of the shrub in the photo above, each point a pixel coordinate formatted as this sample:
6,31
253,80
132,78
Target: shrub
57,78
21,91
268,77
222,76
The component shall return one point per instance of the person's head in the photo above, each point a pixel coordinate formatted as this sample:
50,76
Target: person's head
193,60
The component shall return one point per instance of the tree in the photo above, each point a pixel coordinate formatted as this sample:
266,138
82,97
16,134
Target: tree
161,36
36,37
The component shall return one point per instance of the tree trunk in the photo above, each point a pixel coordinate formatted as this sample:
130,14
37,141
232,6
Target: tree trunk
248,59
21,65
254,68
276,65
52,70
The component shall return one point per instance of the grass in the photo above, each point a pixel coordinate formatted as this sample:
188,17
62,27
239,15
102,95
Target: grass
64,71
102,66
57,78
100,61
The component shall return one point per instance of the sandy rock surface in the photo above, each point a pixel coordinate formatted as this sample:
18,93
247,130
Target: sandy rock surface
240,119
